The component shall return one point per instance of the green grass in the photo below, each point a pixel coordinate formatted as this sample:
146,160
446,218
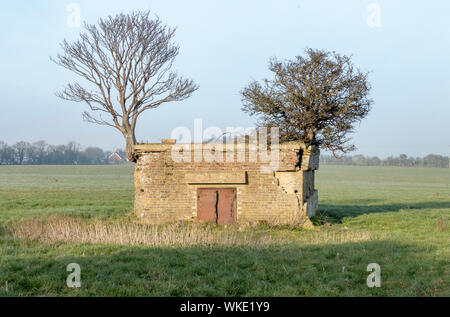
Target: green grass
88,190
401,226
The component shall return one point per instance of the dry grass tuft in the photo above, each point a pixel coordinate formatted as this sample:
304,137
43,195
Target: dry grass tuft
334,237
78,230
73,230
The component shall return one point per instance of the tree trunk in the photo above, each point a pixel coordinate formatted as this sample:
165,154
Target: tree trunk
311,137
129,148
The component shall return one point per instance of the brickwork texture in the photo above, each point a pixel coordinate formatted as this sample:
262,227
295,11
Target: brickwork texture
166,188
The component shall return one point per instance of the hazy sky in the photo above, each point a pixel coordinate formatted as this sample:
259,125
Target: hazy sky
224,45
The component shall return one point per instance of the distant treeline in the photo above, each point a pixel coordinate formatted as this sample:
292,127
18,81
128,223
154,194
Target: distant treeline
37,153
431,160
24,153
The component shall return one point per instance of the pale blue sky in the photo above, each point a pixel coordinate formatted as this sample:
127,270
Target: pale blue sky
225,44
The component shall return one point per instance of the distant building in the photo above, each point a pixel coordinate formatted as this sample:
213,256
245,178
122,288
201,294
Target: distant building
115,158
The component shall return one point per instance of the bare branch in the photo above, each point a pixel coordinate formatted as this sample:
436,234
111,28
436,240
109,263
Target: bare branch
125,61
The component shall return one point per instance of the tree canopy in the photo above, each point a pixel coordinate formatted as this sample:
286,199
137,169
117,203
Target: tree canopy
316,98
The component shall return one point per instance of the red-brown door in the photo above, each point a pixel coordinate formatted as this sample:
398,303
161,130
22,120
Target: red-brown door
216,204
226,206
207,204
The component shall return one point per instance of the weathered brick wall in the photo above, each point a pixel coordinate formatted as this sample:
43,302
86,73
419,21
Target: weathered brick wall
167,190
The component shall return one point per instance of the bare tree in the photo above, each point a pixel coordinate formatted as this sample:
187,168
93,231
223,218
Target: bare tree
21,149
126,61
316,99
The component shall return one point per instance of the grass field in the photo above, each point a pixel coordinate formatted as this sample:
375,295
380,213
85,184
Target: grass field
51,216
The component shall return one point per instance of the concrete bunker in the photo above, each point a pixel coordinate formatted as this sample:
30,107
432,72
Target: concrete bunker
236,187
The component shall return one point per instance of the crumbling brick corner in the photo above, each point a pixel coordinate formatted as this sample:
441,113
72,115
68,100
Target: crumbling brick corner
168,190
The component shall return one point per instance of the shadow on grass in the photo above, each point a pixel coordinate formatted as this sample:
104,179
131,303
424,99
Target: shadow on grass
290,270
335,213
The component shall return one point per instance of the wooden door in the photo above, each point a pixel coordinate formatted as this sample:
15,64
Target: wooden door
207,204
216,204
226,206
